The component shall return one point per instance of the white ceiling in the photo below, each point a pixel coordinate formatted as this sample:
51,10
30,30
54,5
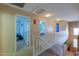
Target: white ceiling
69,12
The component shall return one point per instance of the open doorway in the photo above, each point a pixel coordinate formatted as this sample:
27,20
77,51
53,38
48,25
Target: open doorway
22,31
57,27
42,28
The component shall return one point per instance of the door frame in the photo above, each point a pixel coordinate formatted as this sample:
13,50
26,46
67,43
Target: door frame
15,31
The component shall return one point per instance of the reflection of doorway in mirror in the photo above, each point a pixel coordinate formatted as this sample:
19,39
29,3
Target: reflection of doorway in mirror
22,32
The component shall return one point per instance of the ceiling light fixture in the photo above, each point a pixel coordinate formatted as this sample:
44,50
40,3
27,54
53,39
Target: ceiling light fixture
47,15
58,19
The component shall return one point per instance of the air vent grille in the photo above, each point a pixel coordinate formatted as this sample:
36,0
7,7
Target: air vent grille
39,11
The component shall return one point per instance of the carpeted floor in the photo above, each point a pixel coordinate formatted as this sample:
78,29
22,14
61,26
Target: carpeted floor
48,52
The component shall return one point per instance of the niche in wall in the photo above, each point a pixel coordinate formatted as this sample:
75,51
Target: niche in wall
22,32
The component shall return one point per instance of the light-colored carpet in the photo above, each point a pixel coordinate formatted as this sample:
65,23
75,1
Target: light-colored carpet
48,52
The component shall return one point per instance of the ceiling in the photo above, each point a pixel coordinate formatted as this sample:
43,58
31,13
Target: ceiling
65,11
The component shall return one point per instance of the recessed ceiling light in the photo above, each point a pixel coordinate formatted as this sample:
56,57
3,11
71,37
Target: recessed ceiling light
47,15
